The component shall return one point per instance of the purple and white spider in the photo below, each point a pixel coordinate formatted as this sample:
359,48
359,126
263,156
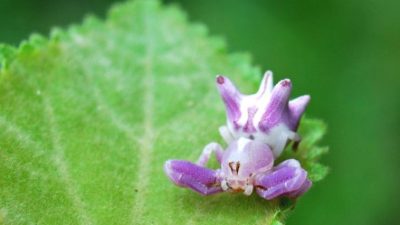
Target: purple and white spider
267,116
246,165
258,128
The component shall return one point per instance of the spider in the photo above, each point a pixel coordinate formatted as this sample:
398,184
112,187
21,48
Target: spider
258,128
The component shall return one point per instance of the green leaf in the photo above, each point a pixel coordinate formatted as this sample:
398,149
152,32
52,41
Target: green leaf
89,116
312,131
308,152
317,171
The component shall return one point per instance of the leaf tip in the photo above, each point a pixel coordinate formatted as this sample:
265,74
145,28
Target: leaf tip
7,53
318,172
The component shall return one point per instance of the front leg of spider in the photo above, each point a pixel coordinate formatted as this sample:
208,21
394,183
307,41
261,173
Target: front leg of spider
286,179
189,175
196,176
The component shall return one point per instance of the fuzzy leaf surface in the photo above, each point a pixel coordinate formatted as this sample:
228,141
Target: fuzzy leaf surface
89,116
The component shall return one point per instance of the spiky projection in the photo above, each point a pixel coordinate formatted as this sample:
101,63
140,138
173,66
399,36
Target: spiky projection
266,116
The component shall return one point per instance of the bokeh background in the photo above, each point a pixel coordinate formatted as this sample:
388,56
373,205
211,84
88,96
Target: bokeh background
345,53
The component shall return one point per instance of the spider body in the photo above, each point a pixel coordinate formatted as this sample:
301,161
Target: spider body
258,128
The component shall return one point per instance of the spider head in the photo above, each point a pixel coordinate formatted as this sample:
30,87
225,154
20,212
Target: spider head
242,160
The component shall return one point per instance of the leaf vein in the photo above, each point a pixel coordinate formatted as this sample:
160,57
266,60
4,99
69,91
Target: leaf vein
146,142
62,166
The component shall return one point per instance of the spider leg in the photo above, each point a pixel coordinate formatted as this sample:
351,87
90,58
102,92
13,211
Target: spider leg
207,151
287,179
189,175
295,137
226,134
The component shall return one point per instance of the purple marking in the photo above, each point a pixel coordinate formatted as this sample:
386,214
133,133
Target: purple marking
297,107
277,108
230,96
249,126
220,79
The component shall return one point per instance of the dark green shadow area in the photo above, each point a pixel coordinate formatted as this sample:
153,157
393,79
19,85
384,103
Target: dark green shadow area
20,18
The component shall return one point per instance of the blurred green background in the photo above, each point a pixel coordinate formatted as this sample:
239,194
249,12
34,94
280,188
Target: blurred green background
345,53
